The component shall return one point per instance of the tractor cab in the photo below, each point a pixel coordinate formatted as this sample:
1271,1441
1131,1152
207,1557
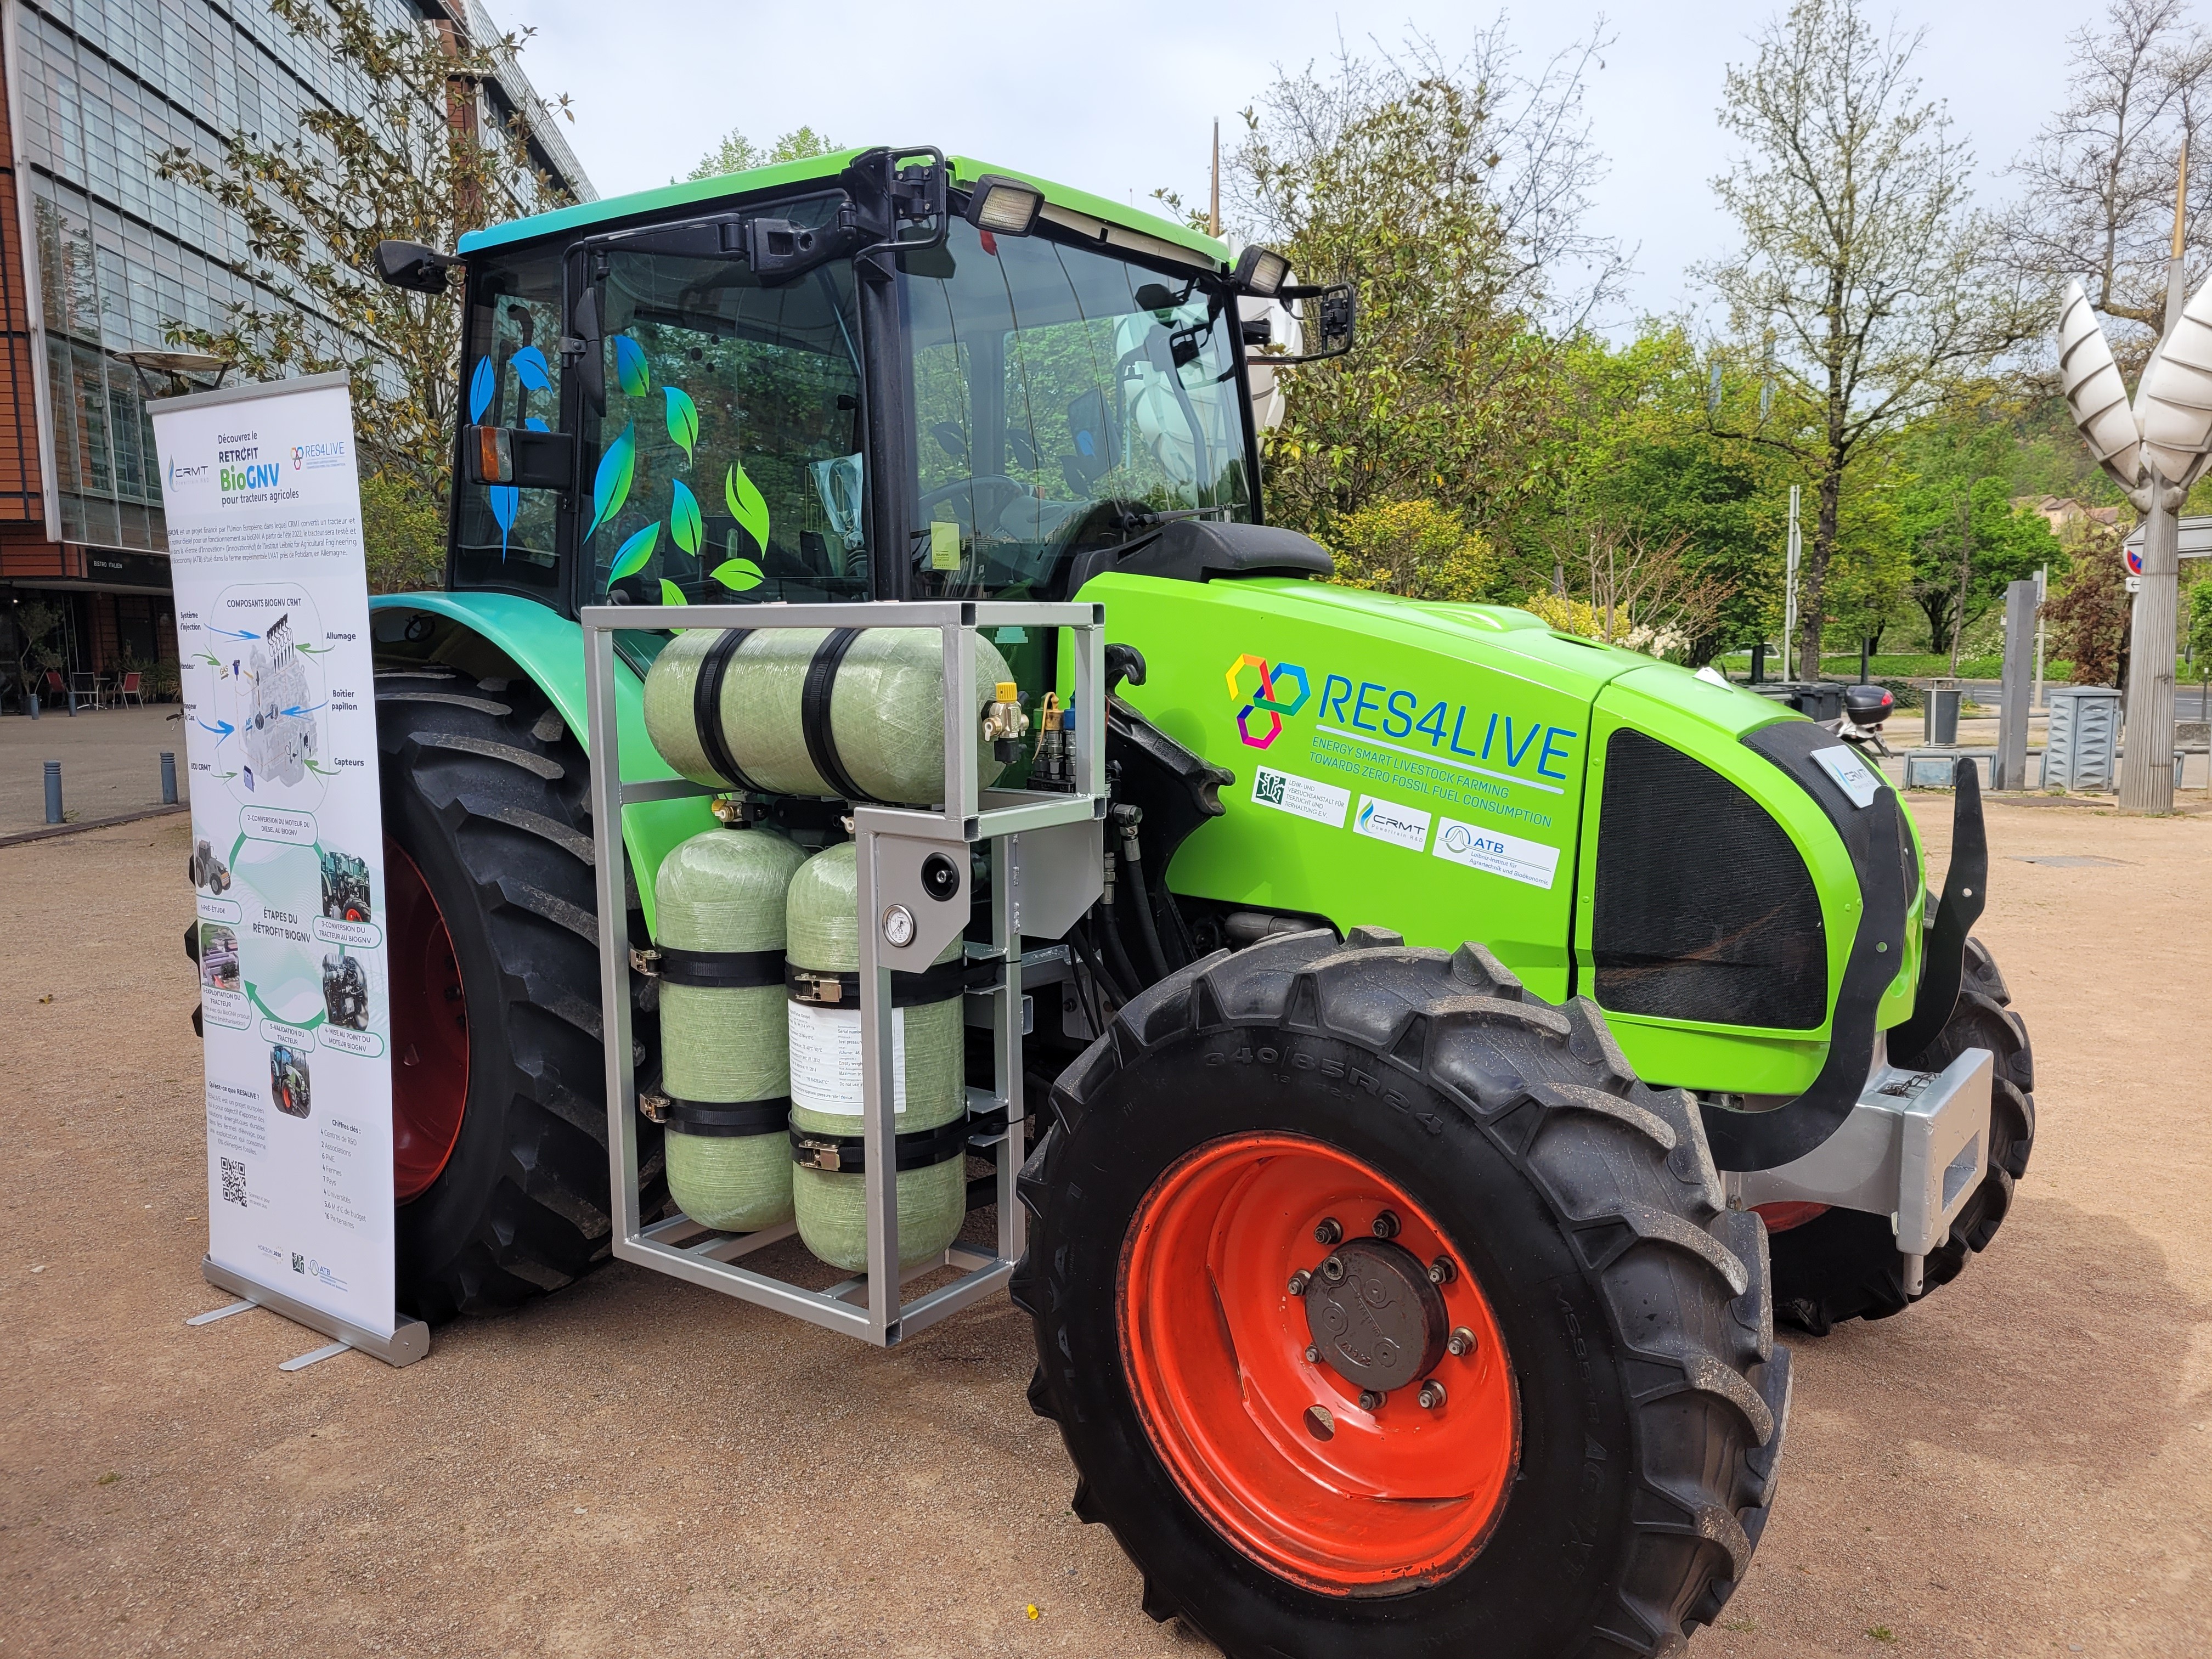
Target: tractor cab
877,375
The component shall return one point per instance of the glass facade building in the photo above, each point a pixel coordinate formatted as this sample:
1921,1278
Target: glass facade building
100,257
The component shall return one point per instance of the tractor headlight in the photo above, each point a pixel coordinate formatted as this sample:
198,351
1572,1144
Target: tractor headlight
1261,272
1005,206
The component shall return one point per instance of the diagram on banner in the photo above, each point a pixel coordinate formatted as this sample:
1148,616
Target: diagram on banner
262,694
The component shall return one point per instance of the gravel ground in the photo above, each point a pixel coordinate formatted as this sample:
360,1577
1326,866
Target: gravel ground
111,763
2022,1465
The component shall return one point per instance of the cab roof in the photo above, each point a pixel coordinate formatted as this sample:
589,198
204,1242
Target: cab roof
1073,208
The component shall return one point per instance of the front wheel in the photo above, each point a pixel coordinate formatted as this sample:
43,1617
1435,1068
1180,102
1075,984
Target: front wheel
1383,1312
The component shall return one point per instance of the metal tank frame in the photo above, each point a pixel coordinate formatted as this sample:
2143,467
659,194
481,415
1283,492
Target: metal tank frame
892,843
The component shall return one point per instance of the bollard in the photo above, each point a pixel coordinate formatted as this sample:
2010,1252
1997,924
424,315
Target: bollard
53,792
168,778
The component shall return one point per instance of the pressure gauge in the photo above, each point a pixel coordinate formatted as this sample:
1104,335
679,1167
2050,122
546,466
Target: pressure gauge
898,926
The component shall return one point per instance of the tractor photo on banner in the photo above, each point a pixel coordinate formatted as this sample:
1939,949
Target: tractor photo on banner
264,504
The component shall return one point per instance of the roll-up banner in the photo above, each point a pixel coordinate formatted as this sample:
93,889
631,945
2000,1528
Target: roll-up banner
264,508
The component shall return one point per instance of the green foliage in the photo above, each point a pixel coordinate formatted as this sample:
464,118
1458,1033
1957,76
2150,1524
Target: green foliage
39,625
2199,633
1952,506
316,205
738,154
403,527
1413,548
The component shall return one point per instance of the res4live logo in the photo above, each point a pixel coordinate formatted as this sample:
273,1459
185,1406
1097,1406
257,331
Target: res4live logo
1272,696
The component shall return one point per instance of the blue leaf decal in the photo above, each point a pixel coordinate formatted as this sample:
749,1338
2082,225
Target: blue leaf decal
537,425
683,522
504,499
682,418
631,557
480,391
629,366
529,368
611,488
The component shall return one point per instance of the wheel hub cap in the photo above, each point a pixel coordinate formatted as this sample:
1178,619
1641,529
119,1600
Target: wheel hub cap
1377,1320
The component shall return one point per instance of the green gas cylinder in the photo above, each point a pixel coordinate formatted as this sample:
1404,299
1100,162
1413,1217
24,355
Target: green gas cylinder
930,1082
724,1059
858,714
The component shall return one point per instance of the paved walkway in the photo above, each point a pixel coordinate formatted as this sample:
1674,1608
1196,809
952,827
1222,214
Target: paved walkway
110,763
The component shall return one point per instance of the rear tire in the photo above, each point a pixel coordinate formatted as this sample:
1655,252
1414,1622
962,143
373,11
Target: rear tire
1582,1208
1843,1264
484,790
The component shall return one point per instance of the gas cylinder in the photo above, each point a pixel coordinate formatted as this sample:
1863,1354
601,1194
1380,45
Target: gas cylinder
725,1060
858,714
930,1086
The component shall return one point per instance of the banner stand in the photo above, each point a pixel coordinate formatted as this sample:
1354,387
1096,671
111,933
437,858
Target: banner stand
410,1342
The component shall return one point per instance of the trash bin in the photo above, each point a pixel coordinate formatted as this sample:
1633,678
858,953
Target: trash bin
1943,732
2083,745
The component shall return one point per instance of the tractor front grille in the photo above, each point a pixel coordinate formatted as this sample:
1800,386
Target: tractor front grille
1705,909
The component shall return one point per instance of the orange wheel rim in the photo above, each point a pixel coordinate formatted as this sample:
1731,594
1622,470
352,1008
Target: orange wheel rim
1274,1449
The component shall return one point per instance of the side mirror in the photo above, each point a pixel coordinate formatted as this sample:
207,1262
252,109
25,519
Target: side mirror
1335,319
411,266
518,456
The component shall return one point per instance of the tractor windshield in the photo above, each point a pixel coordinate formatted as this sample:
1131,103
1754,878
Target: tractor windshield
1057,393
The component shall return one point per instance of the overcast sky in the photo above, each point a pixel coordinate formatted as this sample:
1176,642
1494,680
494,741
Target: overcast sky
1120,98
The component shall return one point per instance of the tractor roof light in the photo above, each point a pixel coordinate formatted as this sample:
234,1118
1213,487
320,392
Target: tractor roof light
1004,206
1261,272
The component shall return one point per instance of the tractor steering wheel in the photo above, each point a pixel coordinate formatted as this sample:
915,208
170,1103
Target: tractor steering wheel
998,491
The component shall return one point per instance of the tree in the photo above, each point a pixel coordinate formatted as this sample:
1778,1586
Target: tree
738,154
1413,548
1862,258
416,166
2101,176
1449,194
2088,621
1954,518
2200,633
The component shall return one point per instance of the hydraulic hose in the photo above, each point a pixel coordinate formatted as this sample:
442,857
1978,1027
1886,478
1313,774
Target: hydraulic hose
1133,880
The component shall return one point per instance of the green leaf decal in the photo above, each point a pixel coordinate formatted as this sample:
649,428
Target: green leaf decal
682,418
746,506
611,488
736,575
631,557
671,593
683,517
629,366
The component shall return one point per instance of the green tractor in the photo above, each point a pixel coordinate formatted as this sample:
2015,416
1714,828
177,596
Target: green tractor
1450,1044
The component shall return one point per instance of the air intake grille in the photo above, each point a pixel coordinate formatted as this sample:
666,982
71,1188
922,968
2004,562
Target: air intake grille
1705,909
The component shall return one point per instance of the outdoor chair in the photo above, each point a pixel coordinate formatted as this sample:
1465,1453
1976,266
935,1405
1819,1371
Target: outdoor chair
127,692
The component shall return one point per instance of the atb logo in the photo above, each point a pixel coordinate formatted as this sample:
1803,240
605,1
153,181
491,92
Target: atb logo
1272,697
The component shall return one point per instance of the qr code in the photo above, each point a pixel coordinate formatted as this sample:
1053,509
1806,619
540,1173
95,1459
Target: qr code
1268,787
299,1262
233,1183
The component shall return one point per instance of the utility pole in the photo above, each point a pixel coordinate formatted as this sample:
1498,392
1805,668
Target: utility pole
2146,759
1789,590
2042,594
1965,571
1213,206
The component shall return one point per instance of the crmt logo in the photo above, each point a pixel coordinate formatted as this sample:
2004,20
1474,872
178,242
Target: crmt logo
1274,683
260,475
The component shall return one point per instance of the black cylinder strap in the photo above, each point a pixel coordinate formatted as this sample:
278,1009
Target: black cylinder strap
721,1118
939,983
719,970
707,708
814,712
923,1149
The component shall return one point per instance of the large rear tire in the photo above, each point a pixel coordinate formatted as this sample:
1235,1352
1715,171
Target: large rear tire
498,1072
1595,1472
1843,1264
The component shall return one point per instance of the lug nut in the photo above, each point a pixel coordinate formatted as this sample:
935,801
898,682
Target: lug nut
1386,1225
1332,1269
1461,1343
1432,1394
1370,1399
1299,1280
1329,1231
1313,1355
1442,1272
